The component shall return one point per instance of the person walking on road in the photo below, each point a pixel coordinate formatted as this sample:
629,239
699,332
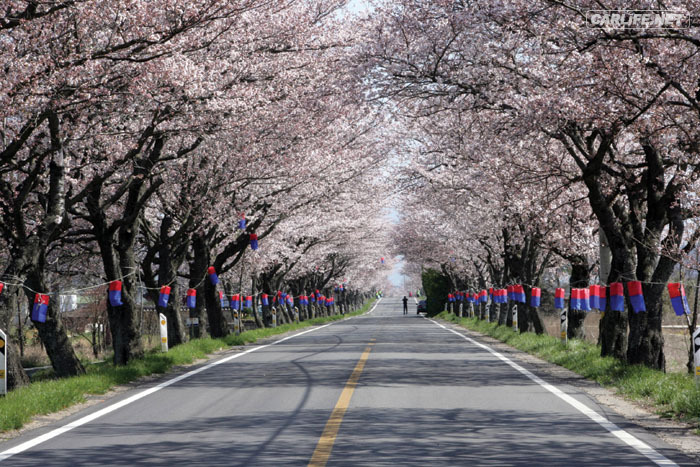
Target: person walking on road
405,305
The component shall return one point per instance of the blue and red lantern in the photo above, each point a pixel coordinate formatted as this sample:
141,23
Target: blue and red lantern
593,294
634,289
249,301
191,298
265,301
235,302
253,241
164,296
575,300
483,296
40,308
500,296
678,299
535,297
115,293
213,278
559,298
519,294
221,299
602,302
585,299
241,222
617,297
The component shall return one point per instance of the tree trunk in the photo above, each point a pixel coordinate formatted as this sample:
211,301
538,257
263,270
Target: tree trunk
579,278
52,333
218,327
646,341
613,333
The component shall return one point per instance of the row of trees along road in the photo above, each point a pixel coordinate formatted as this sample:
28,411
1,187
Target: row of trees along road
531,135
134,134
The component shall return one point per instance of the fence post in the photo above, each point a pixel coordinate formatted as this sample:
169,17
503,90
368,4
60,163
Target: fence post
514,312
273,312
460,309
3,363
296,314
696,353
236,323
163,333
488,311
563,327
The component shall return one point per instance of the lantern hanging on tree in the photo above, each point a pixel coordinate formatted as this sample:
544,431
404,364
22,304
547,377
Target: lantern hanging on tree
40,308
634,288
213,278
164,296
617,297
115,293
678,299
191,298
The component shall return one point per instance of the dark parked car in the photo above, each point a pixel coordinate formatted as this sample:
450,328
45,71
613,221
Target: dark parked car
422,307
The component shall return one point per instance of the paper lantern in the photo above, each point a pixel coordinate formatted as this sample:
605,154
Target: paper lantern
500,296
115,293
249,301
221,298
265,301
2,286
678,299
235,302
602,302
164,296
483,296
617,297
559,298
575,300
191,298
519,294
253,241
241,222
634,289
40,308
593,293
585,299
535,297
213,278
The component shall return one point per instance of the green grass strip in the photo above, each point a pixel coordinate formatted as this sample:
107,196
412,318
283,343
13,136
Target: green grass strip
671,394
52,395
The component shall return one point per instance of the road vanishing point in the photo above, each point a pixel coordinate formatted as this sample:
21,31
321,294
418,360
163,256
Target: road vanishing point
378,389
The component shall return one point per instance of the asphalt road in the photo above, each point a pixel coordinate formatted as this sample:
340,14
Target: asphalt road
381,389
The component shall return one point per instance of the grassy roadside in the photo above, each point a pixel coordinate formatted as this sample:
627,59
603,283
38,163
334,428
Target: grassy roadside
49,396
671,394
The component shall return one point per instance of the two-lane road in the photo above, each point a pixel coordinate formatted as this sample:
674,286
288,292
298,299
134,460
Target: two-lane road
381,389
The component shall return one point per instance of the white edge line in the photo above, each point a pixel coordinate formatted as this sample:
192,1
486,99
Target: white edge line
118,405
639,445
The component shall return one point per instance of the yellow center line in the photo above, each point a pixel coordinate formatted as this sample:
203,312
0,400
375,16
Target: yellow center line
325,445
